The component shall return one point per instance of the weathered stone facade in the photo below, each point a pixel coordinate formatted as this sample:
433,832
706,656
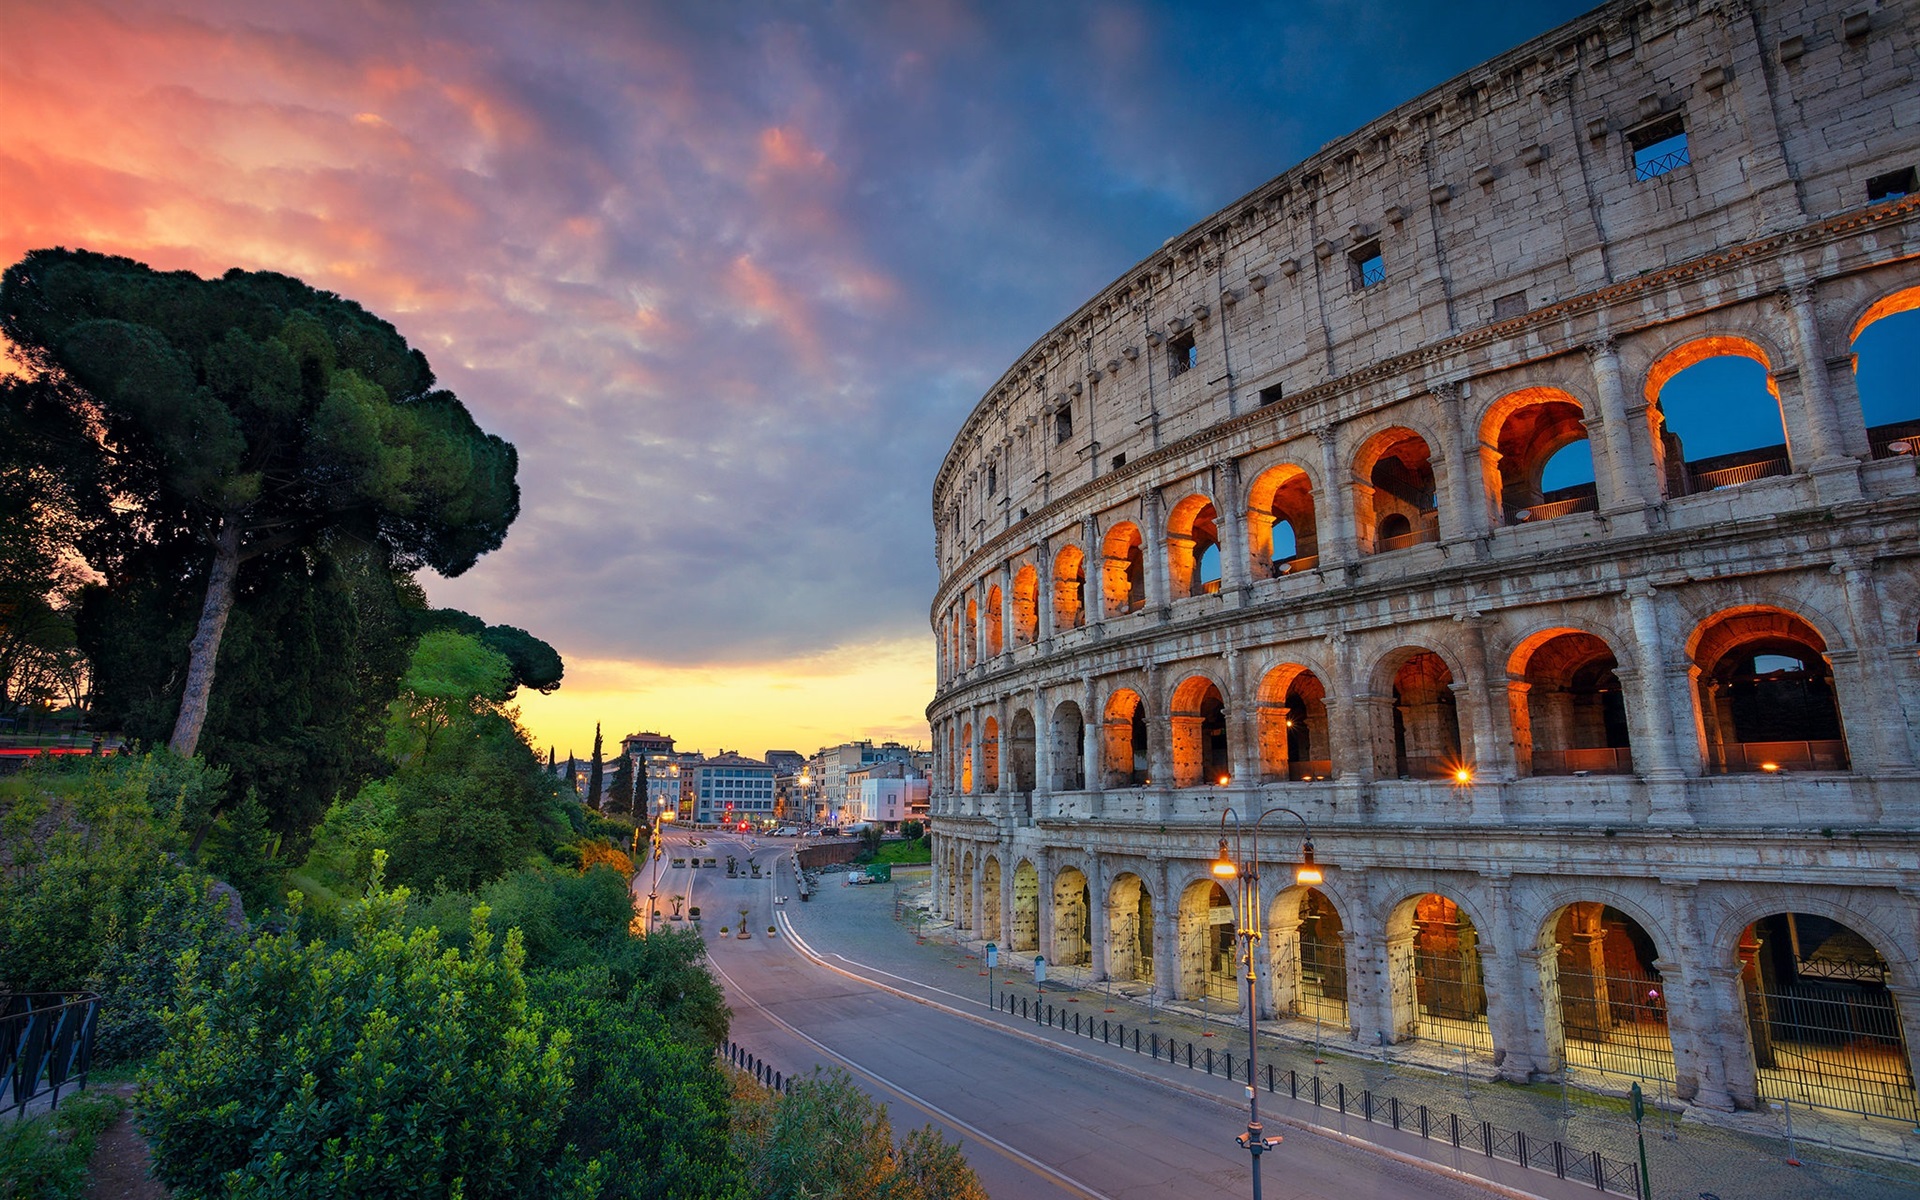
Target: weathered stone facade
1263,524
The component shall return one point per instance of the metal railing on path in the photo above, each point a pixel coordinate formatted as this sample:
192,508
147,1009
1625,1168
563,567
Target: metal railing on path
46,1046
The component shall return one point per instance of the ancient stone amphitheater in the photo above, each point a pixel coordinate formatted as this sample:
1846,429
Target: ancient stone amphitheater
1397,494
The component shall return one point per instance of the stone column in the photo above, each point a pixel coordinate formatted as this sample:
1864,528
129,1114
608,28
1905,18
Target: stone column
1513,1007
1872,717
1467,517
1243,765
1334,520
1007,638
1041,785
1706,1013
1153,550
1826,446
1159,731
1043,903
1092,738
1043,597
975,719
1166,923
1486,692
1659,690
1093,575
1230,518
1098,932
1631,479
976,889
1352,742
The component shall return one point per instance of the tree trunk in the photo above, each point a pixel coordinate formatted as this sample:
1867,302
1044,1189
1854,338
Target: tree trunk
206,638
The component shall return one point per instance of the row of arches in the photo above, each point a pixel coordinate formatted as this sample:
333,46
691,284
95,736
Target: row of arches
1763,688
1823,1024
1713,418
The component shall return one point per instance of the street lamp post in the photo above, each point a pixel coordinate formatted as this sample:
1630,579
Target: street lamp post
1247,916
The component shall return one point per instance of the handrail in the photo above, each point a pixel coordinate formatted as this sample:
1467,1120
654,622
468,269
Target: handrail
46,1042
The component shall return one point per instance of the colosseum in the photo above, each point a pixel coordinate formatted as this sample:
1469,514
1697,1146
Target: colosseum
1497,494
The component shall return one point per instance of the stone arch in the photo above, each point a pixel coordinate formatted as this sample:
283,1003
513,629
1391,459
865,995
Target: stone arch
1123,575
1764,693
1606,998
1824,1026
1026,605
990,926
1883,357
1396,502
1206,946
1072,919
990,755
1436,978
1069,588
1296,740
1024,934
972,638
964,919
1568,708
1193,547
1686,472
966,757
1307,958
1124,740
1198,712
1068,751
1424,740
1528,430
996,642
1130,929
1282,534
1020,753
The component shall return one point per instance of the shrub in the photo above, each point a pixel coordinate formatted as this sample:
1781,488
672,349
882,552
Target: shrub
390,1067
826,1137
45,1158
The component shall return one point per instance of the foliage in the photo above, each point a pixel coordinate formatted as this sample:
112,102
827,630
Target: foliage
535,664
826,1138
912,831
594,780
599,854
241,852
389,1067
651,1108
903,853
45,1157
621,799
139,973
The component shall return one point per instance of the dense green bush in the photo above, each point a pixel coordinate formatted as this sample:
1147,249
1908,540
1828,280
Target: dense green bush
826,1138
45,1157
389,1067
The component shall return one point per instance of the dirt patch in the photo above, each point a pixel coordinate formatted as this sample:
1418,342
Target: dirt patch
120,1161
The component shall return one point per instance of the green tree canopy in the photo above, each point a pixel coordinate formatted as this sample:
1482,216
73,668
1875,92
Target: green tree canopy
535,664
251,413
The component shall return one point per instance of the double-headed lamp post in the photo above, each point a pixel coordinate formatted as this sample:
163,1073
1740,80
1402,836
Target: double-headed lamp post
1230,865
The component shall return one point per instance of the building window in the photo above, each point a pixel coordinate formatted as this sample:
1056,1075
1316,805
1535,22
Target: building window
1119,460
1659,148
1369,266
1892,186
1182,354
1062,425
993,479
1271,394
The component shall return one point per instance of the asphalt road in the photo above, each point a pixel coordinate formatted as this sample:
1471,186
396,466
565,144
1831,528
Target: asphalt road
1036,1120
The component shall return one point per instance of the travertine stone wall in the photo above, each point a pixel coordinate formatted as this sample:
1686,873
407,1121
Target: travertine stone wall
1515,700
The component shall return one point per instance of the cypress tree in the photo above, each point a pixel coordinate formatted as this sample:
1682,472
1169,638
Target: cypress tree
594,770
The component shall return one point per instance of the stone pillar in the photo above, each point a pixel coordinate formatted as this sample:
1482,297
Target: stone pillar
1706,1014
1093,729
1906,1004
1243,765
1159,730
1461,516
1871,715
1007,638
1043,597
1153,550
1280,968
1352,742
1093,575
1659,690
1486,683
1041,785
1826,446
1043,904
1631,481
1230,518
1098,929
1335,519
975,718
976,888
1166,924
1513,1005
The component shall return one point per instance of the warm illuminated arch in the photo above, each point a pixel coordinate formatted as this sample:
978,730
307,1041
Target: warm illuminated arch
1282,535
972,638
1686,470
1395,498
1520,435
1765,693
1123,569
1291,712
1198,716
996,642
1123,756
1570,715
1193,547
1026,605
1069,589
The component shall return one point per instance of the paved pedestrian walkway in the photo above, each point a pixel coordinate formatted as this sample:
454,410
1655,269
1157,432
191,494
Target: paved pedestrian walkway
1691,1154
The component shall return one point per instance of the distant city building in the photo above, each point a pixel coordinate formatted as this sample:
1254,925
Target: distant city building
727,785
832,796
785,762
888,793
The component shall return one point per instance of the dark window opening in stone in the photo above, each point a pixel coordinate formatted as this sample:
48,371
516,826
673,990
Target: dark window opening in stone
1369,266
1271,394
1659,148
1119,460
993,480
1892,186
1062,425
1182,354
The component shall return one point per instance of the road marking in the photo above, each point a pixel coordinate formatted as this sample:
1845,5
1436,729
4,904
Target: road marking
1014,1155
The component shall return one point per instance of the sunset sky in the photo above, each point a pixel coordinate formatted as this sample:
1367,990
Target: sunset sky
728,275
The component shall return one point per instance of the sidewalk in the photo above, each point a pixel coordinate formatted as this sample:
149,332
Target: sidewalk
1691,1154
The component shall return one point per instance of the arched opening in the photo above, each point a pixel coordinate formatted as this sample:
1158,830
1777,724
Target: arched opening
1606,1002
1207,964
994,642
966,758
1069,589
1308,959
1715,416
1025,933
1426,719
990,929
1433,964
1569,713
1543,466
1281,535
1069,750
1200,735
1124,571
1129,930
964,919
1072,920
1886,361
1026,606
990,755
1823,1024
1193,547
1766,696
1396,506
1124,732
1020,754
973,632
1292,718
